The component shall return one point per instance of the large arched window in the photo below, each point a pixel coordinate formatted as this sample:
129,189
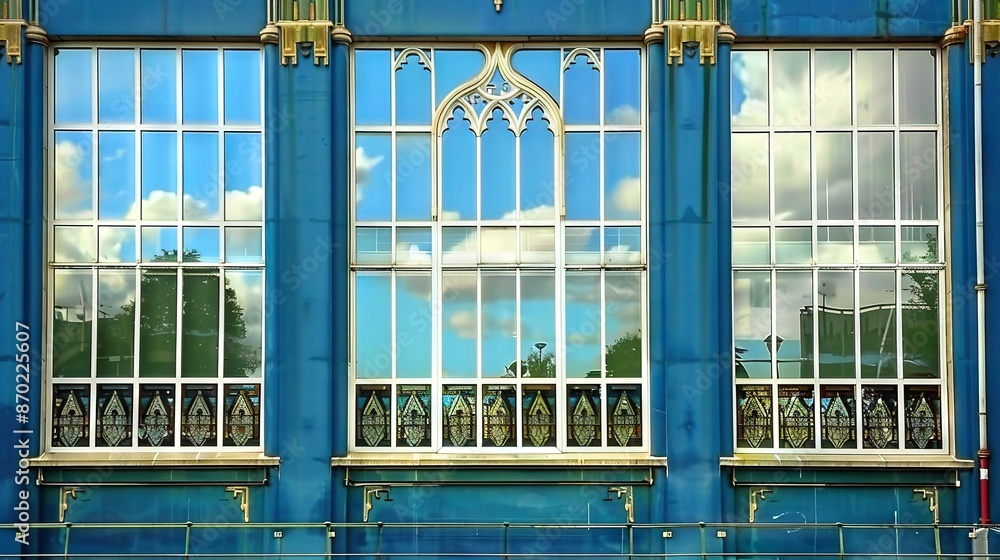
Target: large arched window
498,249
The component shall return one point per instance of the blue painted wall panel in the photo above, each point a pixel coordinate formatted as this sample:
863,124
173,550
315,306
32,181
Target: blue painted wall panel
848,18
479,18
154,18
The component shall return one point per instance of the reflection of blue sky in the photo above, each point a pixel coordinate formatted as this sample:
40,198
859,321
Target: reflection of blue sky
72,84
242,86
372,161
541,67
156,240
73,175
458,169
204,240
413,325
372,90
413,92
242,175
115,86
459,324
201,175
373,340
452,68
159,86
622,188
159,175
413,177
581,78
537,161
622,82
497,169
583,323
583,180
116,174
200,83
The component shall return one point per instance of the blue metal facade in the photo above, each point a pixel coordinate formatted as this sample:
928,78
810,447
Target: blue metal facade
307,221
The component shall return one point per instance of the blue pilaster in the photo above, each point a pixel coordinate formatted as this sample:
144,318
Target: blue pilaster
686,284
300,320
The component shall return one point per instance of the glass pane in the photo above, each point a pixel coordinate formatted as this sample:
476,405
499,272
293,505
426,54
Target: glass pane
115,323
458,169
836,324
460,245
621,87
116,175
622,245
622,185
497,173
458,408
72,317
583,415
453,68
156,415
241,86
159,176
879,417
201,244
241,415
583,180
158,324
750,246
74,244
624,414
749,88
872,83
200,84
917,87
243,175
371,86
373,328
538,415
499,245
201,176
115,86
793,305
413,246
919,170
837,407
373,176
792,176
413,177
832,90
372,414
373,245
583,324
116,244
538,245
70,415
72,85
498,324
921,315
583,79
790,84
754,416
538,324
74,198
834,176
835,245
413,91
198,415
413,324
413,416
537,170
923,417
793,245
200,323
751,193
459,323
796,417
583,245
541,66
159,86
244,245
919,244
244,323
159,244
876,245
752,323
623,324
876,200
499,424
877,297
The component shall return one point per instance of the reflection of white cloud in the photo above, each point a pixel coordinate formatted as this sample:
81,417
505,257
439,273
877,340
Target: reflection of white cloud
622,254
449,215
750,74
119,154
410,253
245,205
624,114
463,323
73,192
626,198
363,166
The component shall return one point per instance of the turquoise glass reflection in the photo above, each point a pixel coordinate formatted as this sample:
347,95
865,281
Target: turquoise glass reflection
200,86
497,176
116,175
115,86
537,170
242,86
159,176
582,87
159,86
622,97
201,175
372,71
582,176
72,84
413,90
458,169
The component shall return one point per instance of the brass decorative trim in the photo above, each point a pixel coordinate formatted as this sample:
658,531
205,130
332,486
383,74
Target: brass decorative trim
10,38
685,32
990,35
727,34
954,35
309,32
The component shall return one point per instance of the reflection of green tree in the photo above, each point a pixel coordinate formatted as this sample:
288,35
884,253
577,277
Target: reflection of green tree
920,322
201,322
541,365
624,356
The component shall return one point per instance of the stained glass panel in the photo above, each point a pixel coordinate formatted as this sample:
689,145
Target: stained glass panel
242,415
114,415
458,409
583,415
624,412
796,420
198,415
71,416
879,417
156,416
498,416
923,417
413,415
839,423
754,416
538,415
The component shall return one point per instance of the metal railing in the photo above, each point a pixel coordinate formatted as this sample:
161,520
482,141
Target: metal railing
504,541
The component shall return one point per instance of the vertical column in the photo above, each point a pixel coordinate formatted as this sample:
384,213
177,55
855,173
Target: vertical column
301,255
686,267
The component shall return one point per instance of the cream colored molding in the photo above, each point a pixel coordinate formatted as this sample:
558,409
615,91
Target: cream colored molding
341,35
498,4
35,34
654,34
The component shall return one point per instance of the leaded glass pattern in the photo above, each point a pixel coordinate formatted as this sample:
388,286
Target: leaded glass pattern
498,234
837,225
156,245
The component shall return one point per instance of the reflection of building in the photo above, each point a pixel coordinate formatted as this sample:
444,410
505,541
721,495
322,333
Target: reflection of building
875,430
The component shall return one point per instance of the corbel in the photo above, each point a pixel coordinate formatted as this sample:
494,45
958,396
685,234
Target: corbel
755,494
65,493
242,493
682,33
306,29
930,495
